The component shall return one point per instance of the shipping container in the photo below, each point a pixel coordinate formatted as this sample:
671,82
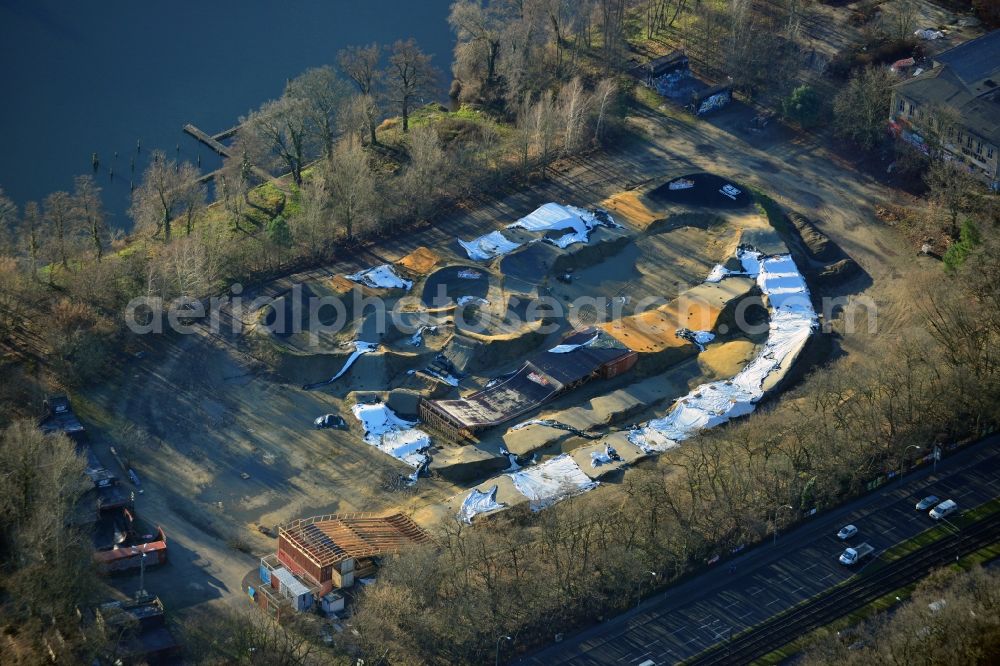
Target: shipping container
332,603
342,580
619,366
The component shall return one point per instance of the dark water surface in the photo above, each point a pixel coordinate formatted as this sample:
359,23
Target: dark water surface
84,77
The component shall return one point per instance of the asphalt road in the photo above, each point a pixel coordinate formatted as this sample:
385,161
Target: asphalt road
691,617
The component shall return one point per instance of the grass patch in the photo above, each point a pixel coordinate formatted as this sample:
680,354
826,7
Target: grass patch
651,100
770,209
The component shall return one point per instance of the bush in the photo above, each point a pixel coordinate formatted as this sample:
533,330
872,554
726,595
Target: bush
804,106
958,252
278,232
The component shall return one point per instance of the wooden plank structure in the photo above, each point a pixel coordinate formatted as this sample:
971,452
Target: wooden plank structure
316,546
207,139
547,375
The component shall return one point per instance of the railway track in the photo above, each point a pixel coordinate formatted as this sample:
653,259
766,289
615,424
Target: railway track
866,587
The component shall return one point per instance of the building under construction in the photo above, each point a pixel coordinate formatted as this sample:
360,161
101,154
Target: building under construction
582,356
319,557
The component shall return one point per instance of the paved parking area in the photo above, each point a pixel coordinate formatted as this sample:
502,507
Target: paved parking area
692,617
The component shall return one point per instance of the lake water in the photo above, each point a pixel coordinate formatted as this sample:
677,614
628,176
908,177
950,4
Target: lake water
85,77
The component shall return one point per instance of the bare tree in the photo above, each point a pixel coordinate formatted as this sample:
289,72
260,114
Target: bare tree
900,20
58,208
188,269
90,212
248,637
603,100
573,109
360,65
236,179
312,228
324,96
861,109
410,76
351,188
953,188
8,221
543,125
44,481
479,31
281,128
362,117
30,233
163,194
612,32
426,172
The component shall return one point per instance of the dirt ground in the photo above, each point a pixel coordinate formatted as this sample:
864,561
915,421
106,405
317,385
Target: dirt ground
213,414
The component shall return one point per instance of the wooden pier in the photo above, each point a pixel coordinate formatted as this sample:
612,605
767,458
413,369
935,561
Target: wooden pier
229,133
212,142
215,143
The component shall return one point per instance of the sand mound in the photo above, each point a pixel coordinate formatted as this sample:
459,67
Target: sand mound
816,242
726,359
697,309
632,207
420,261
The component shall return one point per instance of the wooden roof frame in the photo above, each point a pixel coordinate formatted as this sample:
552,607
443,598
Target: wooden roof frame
332,538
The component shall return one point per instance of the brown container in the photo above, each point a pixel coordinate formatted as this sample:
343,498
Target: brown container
619,366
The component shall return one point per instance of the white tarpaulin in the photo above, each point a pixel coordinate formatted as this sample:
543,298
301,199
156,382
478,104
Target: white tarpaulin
478,502
359,349
417,338
493,244
565,349
391,434
555,217
380,277
552,481
792,320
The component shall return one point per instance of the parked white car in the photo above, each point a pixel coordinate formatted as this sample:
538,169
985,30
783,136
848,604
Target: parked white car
846,532
944,509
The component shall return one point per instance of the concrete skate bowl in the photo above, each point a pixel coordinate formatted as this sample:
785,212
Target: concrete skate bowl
289,313
534,262
373,371
531,264
447,285
473,352
706,192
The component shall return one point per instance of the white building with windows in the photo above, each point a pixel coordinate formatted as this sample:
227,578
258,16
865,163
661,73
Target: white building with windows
965,82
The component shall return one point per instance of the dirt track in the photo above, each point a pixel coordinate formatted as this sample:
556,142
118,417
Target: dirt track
212,416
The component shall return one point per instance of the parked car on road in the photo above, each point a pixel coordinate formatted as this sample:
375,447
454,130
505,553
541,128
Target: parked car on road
852,556
846,532
927,502
329,421
944,509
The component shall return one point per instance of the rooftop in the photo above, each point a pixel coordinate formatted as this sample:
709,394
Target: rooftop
974,62
967,79
333,538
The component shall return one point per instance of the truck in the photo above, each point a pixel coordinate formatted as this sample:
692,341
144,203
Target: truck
852,556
